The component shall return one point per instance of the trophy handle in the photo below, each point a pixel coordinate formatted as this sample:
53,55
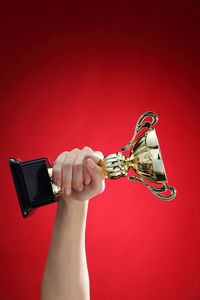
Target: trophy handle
139,126
157,191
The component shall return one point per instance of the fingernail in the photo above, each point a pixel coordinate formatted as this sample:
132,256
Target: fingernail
58,181
87,180
67,191
91,164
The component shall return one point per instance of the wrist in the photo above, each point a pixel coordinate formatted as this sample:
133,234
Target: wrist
73,207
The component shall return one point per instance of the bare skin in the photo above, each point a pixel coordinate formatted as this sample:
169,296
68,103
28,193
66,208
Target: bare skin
65,275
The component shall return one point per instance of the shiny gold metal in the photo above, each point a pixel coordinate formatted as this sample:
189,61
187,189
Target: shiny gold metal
57,191
145,159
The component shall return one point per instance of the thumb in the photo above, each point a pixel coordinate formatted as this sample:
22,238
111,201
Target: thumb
94,170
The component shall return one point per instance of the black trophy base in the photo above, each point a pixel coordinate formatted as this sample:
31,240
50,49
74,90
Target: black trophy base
32,183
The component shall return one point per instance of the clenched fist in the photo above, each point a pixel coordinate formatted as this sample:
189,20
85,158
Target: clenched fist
78,174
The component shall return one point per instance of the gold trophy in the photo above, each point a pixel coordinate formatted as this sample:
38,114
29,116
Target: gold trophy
145,159
33,179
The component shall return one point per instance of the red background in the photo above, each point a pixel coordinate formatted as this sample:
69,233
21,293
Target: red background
82,75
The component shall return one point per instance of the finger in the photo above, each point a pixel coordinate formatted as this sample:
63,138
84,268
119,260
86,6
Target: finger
96,156
97,175
94,170
57,168
67,168
77,173
86,176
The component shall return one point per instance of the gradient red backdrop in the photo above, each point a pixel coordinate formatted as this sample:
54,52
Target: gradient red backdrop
82,76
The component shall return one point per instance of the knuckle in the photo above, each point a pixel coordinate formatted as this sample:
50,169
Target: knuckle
63,153
56,168
56,164
78,166
60,156
99,154
67,164
87,148
76,149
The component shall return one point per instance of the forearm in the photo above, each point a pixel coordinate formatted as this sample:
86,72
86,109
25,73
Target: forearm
66,275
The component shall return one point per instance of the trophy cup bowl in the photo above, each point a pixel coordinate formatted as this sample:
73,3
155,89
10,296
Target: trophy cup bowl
146,158
35,188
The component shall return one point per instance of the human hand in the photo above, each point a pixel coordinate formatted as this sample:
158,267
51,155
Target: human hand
78,174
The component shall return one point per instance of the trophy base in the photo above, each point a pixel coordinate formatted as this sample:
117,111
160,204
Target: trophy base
32,183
